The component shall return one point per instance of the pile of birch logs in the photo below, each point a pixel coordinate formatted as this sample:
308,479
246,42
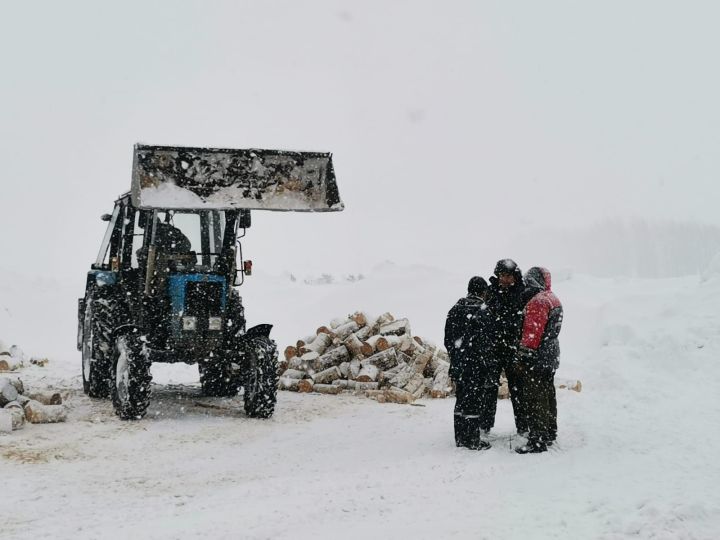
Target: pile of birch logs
17,405
378,358
13,358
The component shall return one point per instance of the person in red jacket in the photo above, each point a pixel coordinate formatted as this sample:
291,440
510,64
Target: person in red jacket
538,359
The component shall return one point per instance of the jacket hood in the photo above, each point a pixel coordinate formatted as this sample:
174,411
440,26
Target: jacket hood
538,278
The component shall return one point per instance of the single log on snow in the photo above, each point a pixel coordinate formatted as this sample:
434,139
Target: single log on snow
327,389
290,352
353,345
327,376
318,345
37,413
46,398
384,360
396,328
571,385
397,395
305,386
368,373
8,392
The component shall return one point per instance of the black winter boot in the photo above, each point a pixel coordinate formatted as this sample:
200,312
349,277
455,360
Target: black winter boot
474,440
533,446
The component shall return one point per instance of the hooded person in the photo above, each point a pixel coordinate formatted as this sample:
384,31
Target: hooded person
468,340
538,359
506,300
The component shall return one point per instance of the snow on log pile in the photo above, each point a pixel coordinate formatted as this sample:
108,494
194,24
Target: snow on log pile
13,358
17,404
379,358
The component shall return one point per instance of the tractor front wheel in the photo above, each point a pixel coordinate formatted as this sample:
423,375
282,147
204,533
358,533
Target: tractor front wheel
95,351
131,378
260,377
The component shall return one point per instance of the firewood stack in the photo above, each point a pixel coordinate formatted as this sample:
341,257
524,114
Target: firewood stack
376,357
18,405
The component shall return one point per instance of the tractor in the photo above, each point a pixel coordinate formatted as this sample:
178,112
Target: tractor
163,287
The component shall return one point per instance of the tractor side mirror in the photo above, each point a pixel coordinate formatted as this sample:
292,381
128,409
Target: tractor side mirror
244,219
106,217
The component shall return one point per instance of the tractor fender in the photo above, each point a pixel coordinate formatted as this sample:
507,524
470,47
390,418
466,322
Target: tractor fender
259,330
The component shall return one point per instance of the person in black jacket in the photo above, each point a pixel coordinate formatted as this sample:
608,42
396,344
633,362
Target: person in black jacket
507,299
472,369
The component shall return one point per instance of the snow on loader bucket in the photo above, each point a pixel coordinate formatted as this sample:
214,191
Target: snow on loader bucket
173,177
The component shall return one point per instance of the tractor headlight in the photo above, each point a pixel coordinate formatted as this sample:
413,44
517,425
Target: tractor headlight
189,323
215,323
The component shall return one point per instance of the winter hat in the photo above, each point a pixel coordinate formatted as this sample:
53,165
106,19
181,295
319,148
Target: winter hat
505,266
477,286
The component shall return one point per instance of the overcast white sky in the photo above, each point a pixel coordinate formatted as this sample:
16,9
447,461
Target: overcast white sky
455,125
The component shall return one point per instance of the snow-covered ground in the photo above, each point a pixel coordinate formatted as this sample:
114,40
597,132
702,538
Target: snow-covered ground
636,456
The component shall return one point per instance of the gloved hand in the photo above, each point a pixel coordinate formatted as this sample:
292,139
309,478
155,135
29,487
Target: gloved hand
527,355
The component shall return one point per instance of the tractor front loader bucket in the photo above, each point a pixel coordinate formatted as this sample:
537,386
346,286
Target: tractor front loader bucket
174,177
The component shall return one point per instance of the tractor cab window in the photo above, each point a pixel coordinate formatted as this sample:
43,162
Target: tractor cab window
192,240
103,257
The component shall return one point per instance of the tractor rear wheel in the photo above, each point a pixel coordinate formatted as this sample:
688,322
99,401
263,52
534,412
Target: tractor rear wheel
131,378
260,377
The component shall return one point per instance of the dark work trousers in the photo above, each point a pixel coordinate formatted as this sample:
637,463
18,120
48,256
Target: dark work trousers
515,378
475,406
540,403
